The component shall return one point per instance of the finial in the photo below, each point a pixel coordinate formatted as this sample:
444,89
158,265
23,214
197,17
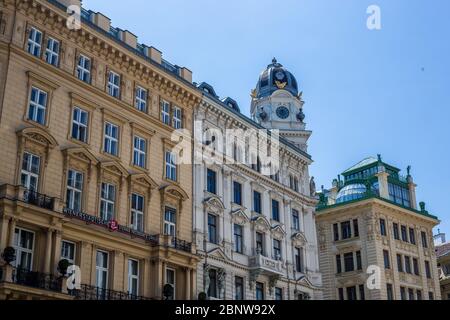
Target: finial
274,60
408,169
379,158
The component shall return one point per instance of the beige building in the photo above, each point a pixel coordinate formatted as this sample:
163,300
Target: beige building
88,173
443,260
369,228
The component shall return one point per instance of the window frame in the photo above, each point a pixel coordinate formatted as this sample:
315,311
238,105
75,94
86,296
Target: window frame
80,125
171,223
135,212
37,107
141,99
113,89
133,277
81,71
20,250
28,173
104,202
140,155
109,140
171,168
238,238
32,44
74,246
52,57
72,190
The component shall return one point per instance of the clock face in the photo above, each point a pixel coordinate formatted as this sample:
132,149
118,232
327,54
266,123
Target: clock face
283,112
279,75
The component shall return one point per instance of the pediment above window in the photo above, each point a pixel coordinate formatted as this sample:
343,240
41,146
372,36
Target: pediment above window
299,239
214,204
239,217
175,192
143,179
114,167
38,136
261,224
278,232
81,154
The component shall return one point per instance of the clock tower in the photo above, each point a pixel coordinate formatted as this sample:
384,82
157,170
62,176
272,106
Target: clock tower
277,104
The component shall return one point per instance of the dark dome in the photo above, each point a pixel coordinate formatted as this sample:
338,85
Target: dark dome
274,78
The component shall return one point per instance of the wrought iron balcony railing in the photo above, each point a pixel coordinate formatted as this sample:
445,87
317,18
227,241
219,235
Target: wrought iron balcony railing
37,199
182,245
37,280
88,292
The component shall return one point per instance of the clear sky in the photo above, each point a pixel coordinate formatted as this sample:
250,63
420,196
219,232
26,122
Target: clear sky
366,92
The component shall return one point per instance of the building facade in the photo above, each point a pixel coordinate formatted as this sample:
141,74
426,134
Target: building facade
254,228
443,261
374,243
89,172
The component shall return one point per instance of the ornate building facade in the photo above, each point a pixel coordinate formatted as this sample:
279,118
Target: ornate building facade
255,230
374,243
88,170
443,261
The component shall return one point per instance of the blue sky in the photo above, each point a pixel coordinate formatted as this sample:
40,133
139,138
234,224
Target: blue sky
366,92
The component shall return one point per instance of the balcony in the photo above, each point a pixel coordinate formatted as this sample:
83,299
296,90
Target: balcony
266,265
40,200
95,293
37,280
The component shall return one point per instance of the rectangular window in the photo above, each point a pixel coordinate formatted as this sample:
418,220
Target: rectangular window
341,294
171,279
212,290
351,294
358,260
424,239
211,181
238,288
428,269
170,222
260,243
336,232
74,190
278,294
113,84
299,260
38,106
430,295
137,212
171,167
383,227
52,52
133,277
346,230
389,291
362,293
295,220
338,264
349,262
356,227
101,271
68,251
403,293
275,210
165,112
412,236
237,193
35,42
80,120
257,202
408,264
212,228
259,291
404,234
416,266
411,294
276,249
24,246
111,143
139,152
107,202
84,69
29,177
141,99
419,295
177,118
387,260
399,263
238,238
396,233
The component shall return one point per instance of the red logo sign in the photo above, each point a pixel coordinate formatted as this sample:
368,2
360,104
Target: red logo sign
113,225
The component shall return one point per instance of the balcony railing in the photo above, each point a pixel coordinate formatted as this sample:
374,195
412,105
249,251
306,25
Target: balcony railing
37,280
267,265
38,199
182,245
95,293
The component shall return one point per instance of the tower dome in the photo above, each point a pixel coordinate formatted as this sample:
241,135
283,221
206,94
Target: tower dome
275,77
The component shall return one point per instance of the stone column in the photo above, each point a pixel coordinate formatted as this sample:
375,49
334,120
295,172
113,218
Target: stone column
57,248
188,284
383,182
12,229
412,192
3,233
146,280
194,284
48,251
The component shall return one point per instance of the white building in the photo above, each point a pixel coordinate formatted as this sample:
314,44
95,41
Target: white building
255,231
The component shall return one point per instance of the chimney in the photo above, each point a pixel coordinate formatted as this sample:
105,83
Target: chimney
102,21
155,54
186,74
68,3
129,38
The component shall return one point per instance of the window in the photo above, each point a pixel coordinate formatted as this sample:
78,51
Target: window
411,294
171,279
52,52
430,295
412,236
293,183
80,122
336,232
423,235
348,262
387,260
107,202
141,99
346,230
404,234
419,295
383,227
358,260
29,177
356,227
238,288
35,42
177,118
416,266
260,243
362,293
165,112
113,84
277,249
84,69
170,219
399,195
68,251
257,202
111,139
133,277
24,245
338,264
38,105
211,183
298,260
74,190
408,264
171,167
212,228
278,294
212,290
137,212
295,220
389,291
259,291
238,235
101,270
428,269
351,293
396,233
237,193
139,152
402,293
275,210
399,263
341,294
